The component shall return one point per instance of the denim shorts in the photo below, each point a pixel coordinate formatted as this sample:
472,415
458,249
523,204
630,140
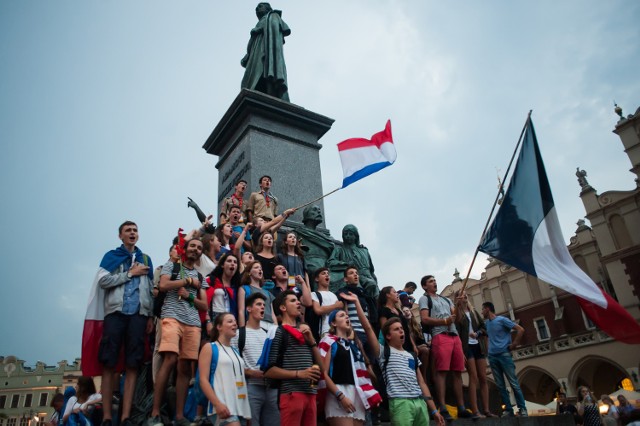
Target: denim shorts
223,422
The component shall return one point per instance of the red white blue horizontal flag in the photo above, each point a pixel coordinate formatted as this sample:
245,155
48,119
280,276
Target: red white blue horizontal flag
361,157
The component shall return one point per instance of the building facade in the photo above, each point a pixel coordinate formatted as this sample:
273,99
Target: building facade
561,348
26,392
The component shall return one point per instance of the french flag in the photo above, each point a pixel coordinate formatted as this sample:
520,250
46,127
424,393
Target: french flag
526,234
361,157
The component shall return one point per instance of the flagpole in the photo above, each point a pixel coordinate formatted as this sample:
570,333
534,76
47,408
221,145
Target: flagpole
318,199
495,202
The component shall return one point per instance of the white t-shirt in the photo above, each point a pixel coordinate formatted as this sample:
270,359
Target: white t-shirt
253,344
229,383
328,298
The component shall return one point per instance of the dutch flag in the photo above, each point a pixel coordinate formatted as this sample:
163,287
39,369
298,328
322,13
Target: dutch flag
361,157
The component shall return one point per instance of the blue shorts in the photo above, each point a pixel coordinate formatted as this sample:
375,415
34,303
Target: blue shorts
117,329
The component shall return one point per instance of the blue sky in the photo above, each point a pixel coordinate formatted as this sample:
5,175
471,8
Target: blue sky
105,106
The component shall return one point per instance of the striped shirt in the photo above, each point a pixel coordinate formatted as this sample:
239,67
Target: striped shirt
296,357
400,374
180,309
254,342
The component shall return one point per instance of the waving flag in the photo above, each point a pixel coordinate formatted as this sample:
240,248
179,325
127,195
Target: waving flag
361,157
526,234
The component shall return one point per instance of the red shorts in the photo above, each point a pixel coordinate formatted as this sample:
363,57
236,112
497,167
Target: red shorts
298,409
447,353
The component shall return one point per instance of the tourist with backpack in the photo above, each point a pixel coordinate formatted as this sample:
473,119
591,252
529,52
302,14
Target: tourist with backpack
348,382
438,314
222,376
409,396
324,302
263,399
292,354
252,281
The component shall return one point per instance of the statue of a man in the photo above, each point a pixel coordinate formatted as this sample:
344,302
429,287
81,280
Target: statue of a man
318,246
352,253
264,61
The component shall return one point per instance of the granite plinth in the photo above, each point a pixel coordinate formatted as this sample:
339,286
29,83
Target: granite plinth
262,135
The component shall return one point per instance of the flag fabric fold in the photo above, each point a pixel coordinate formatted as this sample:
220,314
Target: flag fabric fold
361,157
526,234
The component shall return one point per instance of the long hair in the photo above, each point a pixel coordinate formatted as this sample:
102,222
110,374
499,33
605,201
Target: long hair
382,297
86,388
414,325
579,390
457,293
221,237
215,333
297,249
219,270
246,275
260,245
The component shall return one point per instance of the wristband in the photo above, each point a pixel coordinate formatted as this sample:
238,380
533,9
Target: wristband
339,393
314,345
426,398
434,412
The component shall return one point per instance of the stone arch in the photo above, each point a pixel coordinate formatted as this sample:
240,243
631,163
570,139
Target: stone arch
599,373
538,385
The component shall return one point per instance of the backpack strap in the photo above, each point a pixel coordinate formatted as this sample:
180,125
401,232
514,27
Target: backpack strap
214,362
242,339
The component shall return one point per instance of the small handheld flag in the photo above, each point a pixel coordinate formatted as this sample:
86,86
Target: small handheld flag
361,157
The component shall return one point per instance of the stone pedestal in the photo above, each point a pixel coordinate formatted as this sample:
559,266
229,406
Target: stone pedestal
262,135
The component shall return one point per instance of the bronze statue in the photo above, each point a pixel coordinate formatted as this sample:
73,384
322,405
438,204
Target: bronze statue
264,62
209,228
318,246
352,253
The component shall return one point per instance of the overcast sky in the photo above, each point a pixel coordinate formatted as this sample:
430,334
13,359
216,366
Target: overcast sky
105,106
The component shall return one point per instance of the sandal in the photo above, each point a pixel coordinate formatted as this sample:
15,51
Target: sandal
490,414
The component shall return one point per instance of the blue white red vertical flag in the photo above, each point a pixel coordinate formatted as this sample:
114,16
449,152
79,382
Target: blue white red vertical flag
361,157
526,234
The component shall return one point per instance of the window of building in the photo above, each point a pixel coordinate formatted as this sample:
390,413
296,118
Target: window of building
24,421
1,421
44,397
3,401
14,401
28,400
11,421
541,328
589,325
506,293
619,231
486,295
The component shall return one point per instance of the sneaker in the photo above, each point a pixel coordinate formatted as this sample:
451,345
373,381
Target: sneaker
477,415
154,421
463,413
127,422
106,422
445,414
182,422
523,413
489,414
507,414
